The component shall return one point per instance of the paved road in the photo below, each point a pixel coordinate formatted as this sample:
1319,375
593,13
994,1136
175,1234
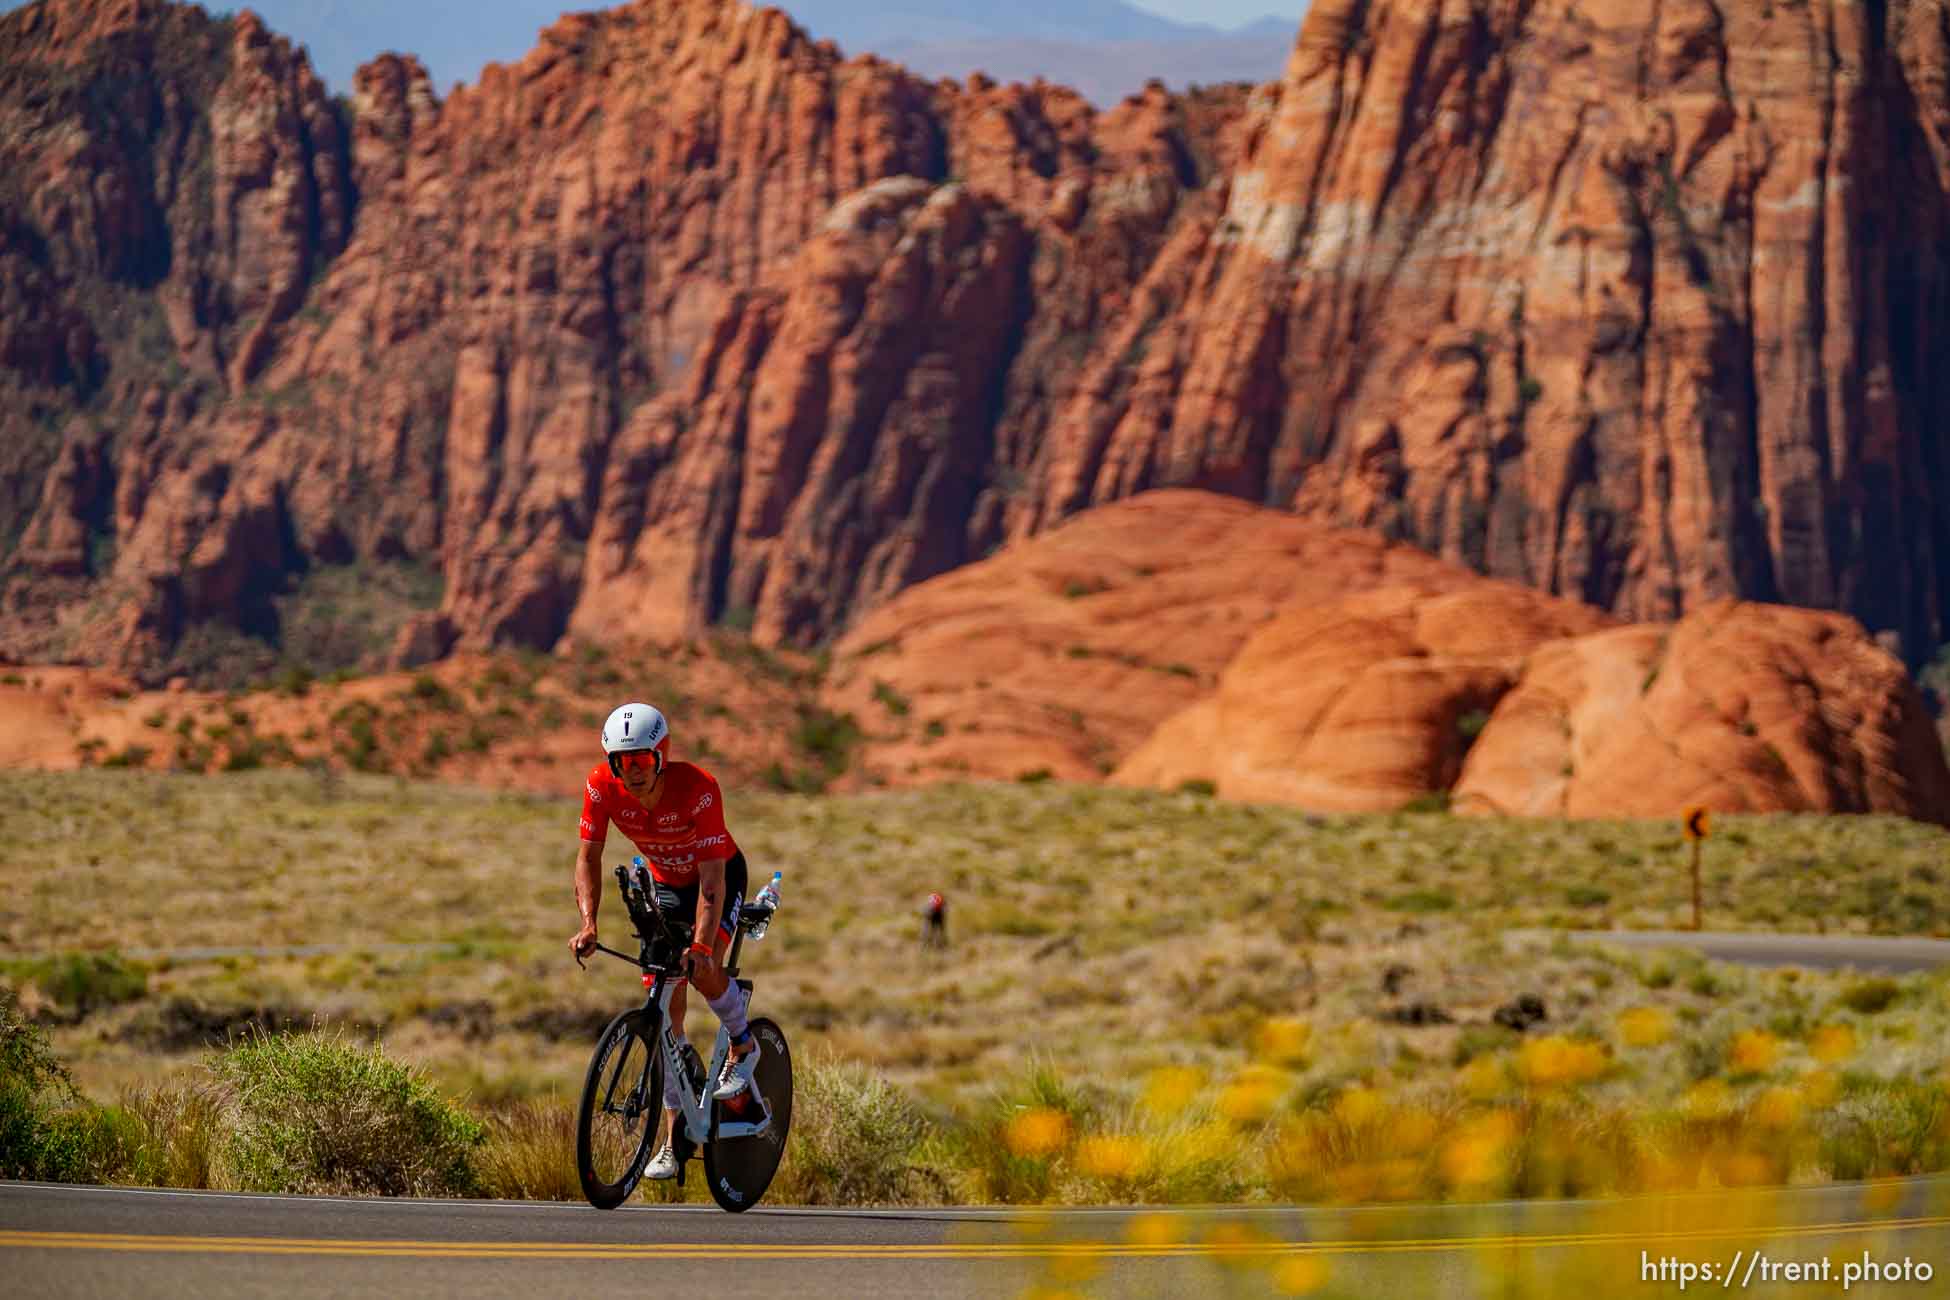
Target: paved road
68,1241
1893,955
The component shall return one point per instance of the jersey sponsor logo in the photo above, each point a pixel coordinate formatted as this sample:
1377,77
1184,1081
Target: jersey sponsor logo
706,841
669,819
595,795
703,803
588,827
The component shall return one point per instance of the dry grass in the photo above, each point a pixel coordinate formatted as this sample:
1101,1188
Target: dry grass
1107,933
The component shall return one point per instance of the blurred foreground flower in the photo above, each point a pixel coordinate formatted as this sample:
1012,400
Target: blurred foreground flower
1645,1026
1284,1040
1707,1099
1479,1153
1155,1229
1109,1156
1820,1089
1754,1051
1359,1107
1776,1108
1252,1097
1300,1275
1832,1044
1555,1061
1484,1077
1038,1133
1169,1090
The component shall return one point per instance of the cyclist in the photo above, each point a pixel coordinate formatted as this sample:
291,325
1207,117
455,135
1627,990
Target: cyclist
674,813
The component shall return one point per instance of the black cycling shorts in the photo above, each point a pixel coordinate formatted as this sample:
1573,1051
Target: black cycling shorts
678,903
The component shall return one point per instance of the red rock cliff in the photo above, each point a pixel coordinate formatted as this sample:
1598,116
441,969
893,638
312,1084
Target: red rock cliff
685,317
1636,303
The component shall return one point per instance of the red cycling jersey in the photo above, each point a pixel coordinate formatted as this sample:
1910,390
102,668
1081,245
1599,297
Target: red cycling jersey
686,827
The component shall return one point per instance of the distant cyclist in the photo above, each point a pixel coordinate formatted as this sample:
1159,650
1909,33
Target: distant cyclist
674,813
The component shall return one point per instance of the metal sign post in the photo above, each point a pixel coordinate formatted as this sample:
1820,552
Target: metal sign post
1699,824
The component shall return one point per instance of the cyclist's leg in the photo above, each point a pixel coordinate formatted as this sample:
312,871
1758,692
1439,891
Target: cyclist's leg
679,907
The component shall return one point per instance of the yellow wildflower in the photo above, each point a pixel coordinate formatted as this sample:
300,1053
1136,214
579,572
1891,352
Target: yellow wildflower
1832,1044
1645,1026
1038,1132
1171,1089
1108,1156
1754,1051
1557,1060
1284,1040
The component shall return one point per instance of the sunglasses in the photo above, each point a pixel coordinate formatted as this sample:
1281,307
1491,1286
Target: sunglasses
642,760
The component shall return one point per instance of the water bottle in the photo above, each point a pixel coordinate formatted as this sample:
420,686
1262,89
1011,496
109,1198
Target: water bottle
767,897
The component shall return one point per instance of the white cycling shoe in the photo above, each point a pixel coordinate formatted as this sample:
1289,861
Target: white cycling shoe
736,1076
663,1165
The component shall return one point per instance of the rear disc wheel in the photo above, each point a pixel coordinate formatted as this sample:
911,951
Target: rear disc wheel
739,1170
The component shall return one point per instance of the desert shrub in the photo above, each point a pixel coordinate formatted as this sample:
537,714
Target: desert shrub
83,982
1422,900
529,1153
46,1130
1198,786
315,1113
1871,996
890,699
829,738
177,1127
855,1141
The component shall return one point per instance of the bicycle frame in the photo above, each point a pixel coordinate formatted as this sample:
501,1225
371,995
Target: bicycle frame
661,981
697,1110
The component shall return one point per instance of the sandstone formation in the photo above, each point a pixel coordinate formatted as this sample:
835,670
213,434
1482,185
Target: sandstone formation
1521,704
1361,704
1183,637
1738,707
686,318
1066,653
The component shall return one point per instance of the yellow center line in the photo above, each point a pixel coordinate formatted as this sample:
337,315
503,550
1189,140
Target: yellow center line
971,1251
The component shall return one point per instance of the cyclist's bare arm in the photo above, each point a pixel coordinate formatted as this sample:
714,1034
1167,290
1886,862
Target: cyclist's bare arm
589,894
710,899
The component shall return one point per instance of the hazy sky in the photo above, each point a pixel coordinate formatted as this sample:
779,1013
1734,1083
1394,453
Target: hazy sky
1222,13
456,37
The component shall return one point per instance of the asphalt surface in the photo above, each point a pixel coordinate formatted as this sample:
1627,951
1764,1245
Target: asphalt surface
1814,951
73,1241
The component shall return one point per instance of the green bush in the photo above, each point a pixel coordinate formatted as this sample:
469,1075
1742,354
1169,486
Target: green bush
1199,786
855,1141
315,1113
83,982
829,738
46,1130
890,699
1871,996
1421,900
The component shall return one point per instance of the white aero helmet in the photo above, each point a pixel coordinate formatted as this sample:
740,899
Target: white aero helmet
636,728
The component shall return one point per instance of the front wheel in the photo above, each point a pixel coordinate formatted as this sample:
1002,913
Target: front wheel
622,1104
740,1169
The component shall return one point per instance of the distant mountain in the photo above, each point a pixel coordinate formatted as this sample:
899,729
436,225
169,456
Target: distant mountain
1106,48
1106,73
